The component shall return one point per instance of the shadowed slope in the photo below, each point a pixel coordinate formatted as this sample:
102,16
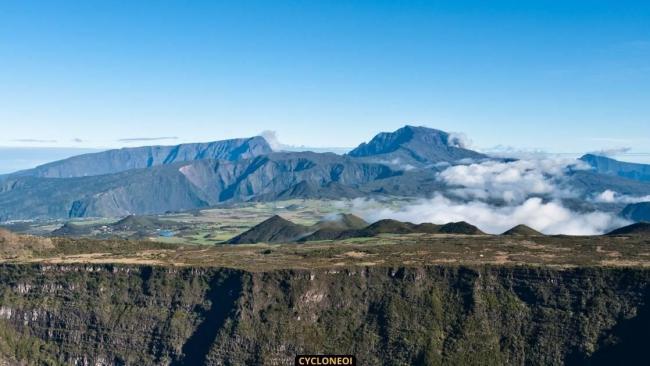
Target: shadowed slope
522,230
639,228
273,230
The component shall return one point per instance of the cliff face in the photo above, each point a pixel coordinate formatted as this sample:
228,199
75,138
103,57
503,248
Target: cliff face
116,315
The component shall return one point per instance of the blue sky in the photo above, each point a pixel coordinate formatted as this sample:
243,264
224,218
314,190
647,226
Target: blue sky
562,76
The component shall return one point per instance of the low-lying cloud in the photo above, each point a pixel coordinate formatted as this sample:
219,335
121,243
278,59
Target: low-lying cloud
548,217
511,182
496,196
609,196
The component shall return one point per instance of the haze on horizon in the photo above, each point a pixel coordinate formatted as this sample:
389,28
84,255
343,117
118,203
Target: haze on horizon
563,77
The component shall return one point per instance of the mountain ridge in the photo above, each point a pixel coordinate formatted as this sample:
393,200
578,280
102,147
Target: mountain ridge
402,163
609,166
119,160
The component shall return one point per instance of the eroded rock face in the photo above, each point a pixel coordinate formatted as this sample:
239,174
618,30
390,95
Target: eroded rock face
138,315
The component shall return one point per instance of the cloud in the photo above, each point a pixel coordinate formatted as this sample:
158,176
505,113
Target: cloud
396,163
272,138
459,139
35,140
511,182
77,140
611,152
549,217
144,139
609,196
496,196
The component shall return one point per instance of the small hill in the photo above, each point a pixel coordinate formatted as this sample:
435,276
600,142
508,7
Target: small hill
389,226
522,230
71,229
637,211
15,245
7,236
460,227
386,226
639,228
427,228
342,222
273,230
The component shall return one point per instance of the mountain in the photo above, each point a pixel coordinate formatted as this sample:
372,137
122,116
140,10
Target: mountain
386,226
590,181
140,191
639,228
279,230
158,179
637,211
314,190
461,228
118,160
273,230
522,230
187,185
609,166
415,145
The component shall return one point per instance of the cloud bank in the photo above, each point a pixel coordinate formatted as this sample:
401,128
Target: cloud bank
511,182
496,196
548,217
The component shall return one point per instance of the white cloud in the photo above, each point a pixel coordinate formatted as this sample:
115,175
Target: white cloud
512,182
396,163
609,196
272,138
530,192
611,152
547,217
459,139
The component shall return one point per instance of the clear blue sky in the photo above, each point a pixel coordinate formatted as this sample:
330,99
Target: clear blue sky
564,76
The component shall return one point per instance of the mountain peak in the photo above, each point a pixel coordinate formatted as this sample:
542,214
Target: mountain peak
415,144
522,230
275,229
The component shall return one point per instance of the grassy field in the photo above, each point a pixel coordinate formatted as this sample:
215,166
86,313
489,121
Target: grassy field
385,251
203,227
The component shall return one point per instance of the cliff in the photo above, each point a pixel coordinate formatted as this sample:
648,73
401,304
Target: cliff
106,314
